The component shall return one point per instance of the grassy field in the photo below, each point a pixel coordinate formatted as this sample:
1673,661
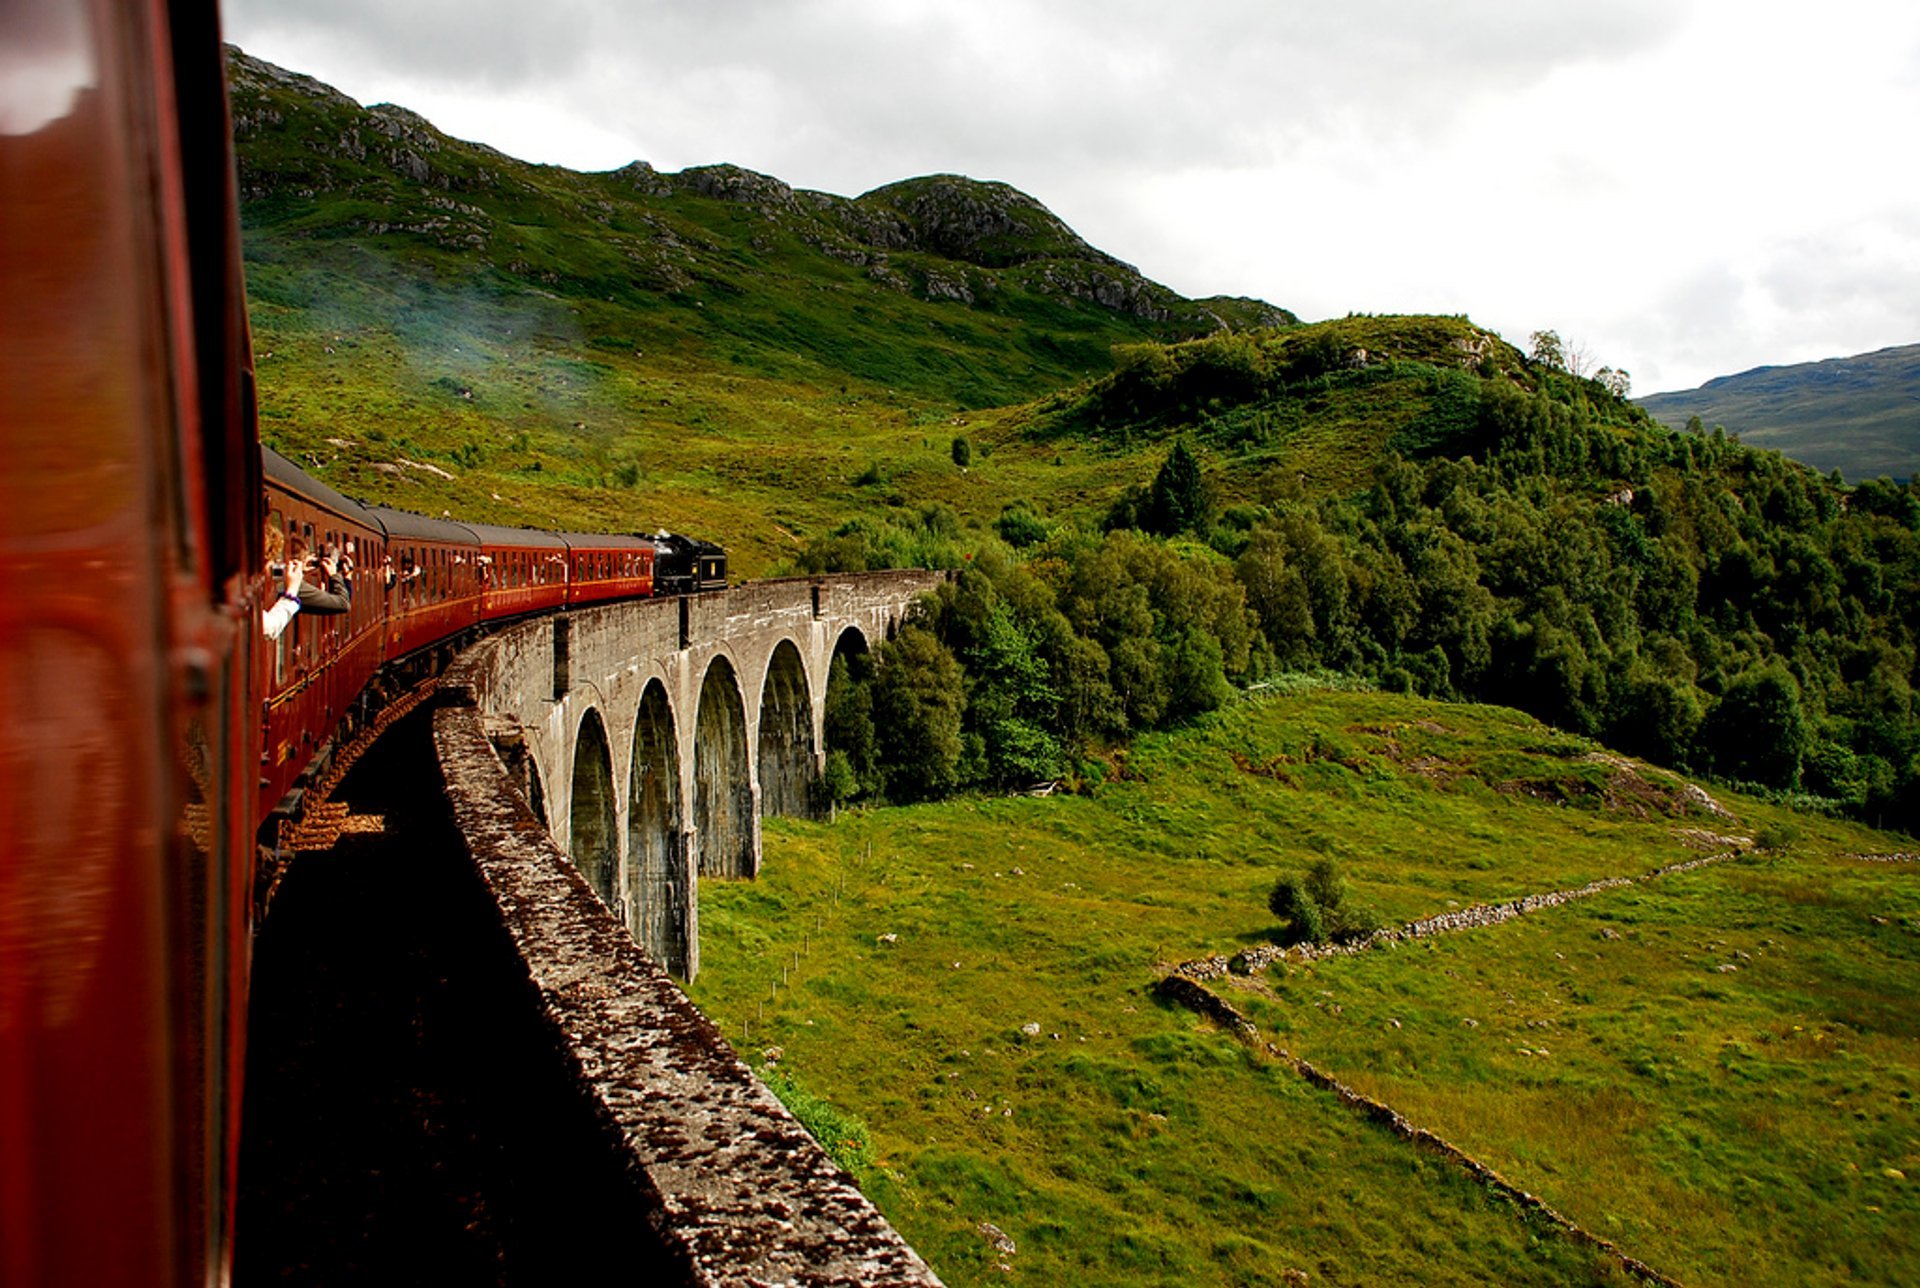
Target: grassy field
1677,1108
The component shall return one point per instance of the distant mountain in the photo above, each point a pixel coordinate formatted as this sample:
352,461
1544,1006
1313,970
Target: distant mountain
1859,415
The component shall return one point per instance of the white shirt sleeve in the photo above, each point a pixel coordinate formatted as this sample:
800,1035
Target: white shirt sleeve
275,619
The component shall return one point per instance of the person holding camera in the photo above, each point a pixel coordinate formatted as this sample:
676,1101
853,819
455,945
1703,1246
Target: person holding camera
300,595
333,595
286,604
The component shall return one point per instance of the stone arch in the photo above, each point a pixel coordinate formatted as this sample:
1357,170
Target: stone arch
592,835
846,719
656,893
723,813
785,743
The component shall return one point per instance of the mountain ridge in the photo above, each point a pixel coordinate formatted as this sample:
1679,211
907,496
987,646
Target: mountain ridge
313,162
1859,414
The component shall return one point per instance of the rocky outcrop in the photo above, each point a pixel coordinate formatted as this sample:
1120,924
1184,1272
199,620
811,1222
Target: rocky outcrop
762,192
642,178
993,225
1123,293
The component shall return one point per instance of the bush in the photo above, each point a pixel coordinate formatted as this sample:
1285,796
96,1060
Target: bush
962,451
1317,910
1019,527
1300,920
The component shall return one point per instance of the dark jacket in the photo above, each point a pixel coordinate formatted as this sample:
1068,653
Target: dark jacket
336,598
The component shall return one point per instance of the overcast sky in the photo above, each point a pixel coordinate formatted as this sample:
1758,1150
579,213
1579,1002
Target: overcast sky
1685,188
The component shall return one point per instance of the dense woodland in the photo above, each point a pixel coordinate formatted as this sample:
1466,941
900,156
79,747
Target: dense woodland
1679,595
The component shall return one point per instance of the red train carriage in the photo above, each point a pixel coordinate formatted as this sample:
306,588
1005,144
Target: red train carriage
313,673
129,536
146,725
435,591
522,571
602,567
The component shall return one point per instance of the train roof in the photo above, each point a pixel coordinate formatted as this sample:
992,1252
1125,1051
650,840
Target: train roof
401,524
291,477
419,527
607,541
493,534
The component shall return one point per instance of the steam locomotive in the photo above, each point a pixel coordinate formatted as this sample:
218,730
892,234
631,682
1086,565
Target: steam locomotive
147,724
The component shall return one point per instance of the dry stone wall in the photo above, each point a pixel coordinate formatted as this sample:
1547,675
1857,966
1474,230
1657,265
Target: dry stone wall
1479,916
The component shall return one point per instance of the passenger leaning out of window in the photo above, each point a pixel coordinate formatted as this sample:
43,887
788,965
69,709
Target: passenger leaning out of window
274,618
332,596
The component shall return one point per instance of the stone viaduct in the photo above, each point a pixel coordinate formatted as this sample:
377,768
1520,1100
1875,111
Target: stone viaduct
650,737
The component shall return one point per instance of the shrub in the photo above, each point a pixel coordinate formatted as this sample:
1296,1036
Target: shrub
962,451
1300,920
1317,910
1019,527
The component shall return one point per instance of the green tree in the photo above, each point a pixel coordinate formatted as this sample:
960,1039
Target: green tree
962,451
919,696
1547,350
1178,500
1011,702
1019,526
1757,730
853,755
1300,918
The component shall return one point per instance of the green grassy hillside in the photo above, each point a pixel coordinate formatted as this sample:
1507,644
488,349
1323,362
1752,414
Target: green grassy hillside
1729,1127
1859,415
711,350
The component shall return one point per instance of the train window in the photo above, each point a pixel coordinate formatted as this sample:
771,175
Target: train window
277,552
